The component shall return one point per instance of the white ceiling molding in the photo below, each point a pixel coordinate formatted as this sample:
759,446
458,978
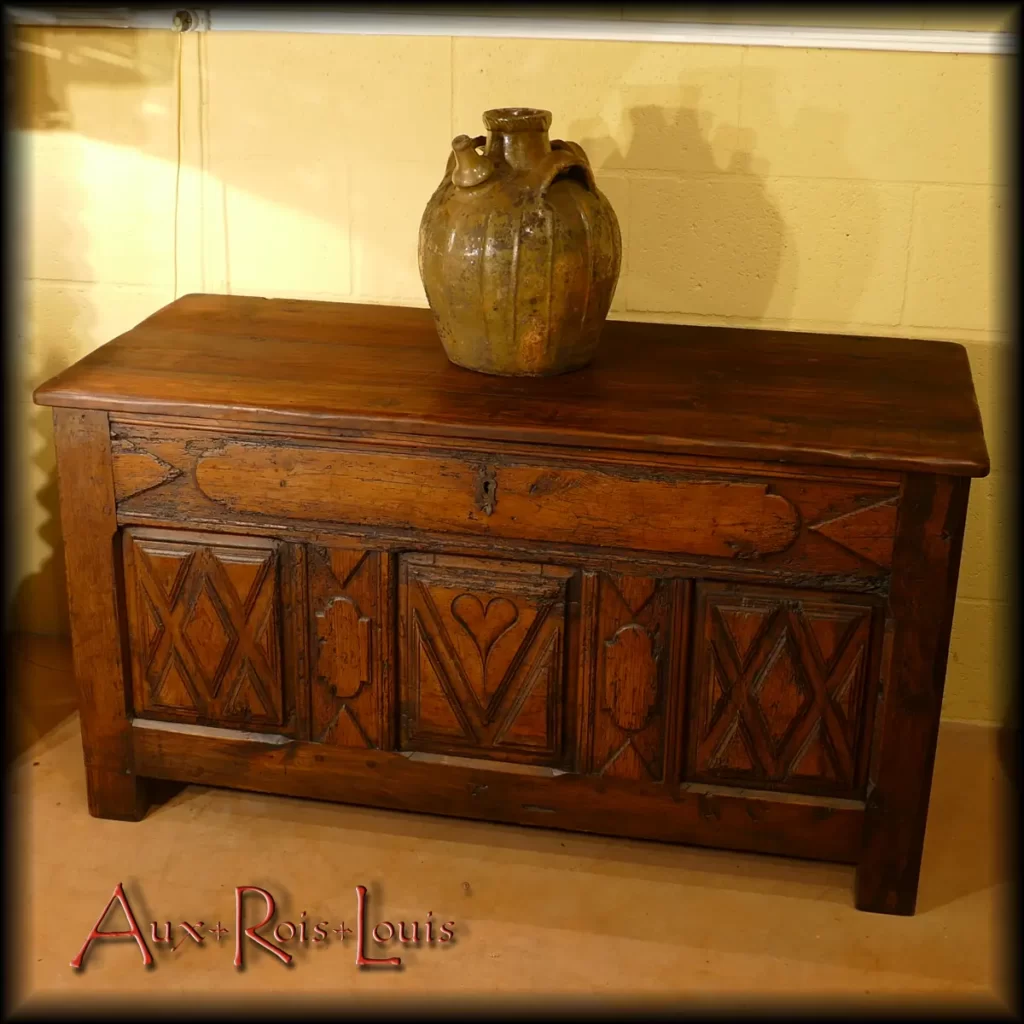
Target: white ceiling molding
230,19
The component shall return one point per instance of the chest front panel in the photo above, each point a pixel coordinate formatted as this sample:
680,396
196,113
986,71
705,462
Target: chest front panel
360,599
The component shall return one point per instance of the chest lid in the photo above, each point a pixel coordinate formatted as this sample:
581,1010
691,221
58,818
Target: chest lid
827,400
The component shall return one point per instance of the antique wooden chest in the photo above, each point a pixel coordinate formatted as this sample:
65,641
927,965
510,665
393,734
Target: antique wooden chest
700,591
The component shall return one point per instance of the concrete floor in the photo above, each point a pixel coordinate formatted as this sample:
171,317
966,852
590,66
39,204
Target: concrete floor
537,913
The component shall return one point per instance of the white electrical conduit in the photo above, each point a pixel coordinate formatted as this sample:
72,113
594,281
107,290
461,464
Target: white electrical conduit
382,23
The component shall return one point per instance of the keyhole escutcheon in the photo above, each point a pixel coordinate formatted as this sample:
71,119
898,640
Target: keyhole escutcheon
486,490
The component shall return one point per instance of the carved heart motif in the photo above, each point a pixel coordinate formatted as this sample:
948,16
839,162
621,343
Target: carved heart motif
485,624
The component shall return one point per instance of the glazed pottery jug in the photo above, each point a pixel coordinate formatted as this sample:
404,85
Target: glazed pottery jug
519,252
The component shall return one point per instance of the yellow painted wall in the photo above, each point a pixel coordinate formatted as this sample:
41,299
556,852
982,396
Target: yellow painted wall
974,18
836,191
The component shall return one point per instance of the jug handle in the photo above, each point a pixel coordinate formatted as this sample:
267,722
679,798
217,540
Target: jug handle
564,157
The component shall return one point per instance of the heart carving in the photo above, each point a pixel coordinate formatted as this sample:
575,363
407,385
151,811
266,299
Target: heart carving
485,624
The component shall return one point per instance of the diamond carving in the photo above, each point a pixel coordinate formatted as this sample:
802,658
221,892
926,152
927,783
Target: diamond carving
634,630
174,688
247,699
205,632
783,696
627,763
743,626
210,637
867,532
784,707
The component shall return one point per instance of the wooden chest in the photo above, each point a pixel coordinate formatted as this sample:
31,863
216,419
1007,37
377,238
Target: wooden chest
699,592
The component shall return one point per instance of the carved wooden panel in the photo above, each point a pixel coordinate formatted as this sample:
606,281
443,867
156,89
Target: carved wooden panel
138,470
350,645
483,658
205,628
745,519
633,641
779,695
868,532
529,502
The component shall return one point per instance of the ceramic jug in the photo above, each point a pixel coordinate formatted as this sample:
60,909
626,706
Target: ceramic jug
519,252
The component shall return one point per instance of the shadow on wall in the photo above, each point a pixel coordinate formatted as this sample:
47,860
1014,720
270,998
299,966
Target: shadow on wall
712,233
56,320
706,239
50,63
40,600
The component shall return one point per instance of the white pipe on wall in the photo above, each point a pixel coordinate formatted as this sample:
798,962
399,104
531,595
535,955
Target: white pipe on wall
230,19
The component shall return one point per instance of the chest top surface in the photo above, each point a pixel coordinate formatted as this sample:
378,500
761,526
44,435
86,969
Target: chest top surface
828,400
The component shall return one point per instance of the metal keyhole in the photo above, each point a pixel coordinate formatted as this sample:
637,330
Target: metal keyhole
486,490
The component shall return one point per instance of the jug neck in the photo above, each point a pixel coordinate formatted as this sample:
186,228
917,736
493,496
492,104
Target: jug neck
519,135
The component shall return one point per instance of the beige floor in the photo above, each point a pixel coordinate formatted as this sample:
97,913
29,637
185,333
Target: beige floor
537,913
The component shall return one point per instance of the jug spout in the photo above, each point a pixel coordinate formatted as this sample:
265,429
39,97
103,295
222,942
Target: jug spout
470,167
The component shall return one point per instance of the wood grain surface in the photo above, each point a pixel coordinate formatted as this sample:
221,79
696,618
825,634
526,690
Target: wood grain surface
826,399
701,591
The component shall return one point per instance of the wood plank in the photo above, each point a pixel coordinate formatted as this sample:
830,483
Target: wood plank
96,612
806,398
718,513
717,518
816,828
925,571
